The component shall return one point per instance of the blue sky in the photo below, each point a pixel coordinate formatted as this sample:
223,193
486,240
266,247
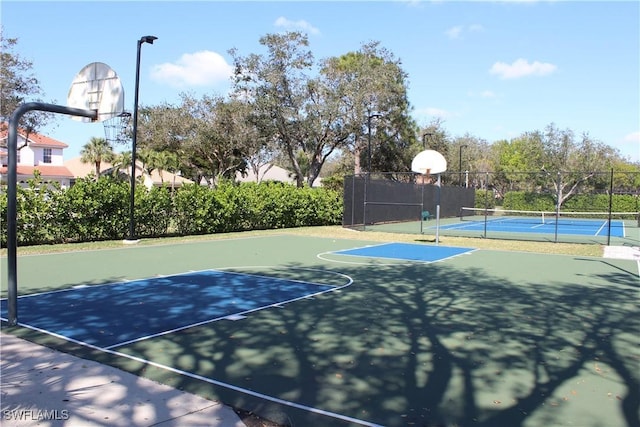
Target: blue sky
490,69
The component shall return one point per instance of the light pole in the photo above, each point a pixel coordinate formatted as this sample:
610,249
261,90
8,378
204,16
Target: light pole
371,116
424,139
460,162
132,197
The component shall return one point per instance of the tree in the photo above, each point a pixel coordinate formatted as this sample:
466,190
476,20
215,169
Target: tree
276,86
96,151
370,88
121,162
18,85
313,117
553,158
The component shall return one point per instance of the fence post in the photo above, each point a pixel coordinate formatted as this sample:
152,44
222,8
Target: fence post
610,207
486,203
558,184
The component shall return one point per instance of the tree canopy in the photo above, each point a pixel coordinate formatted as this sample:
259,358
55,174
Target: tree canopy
18,84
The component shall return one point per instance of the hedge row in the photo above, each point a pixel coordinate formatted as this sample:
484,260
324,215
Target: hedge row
99,210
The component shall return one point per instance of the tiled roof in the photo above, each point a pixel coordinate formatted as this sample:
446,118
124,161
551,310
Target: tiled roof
45,171
36,139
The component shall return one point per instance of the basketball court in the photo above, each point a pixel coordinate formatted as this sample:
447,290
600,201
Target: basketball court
323,331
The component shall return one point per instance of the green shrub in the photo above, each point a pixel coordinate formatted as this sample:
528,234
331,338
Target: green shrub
153,211
99,210
93,210
485,199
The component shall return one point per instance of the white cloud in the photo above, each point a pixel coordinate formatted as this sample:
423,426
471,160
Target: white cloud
454,32
457,31
522,68
632,137
296,25
484,94
202,68
434,112
630,146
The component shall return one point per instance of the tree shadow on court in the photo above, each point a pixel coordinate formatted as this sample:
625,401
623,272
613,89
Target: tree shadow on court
420,345
426,345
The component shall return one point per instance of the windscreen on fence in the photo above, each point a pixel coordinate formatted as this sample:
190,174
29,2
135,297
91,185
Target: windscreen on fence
404,201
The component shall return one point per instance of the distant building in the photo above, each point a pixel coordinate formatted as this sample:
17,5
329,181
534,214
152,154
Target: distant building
37,153
270,172
267,172
82,170
46,155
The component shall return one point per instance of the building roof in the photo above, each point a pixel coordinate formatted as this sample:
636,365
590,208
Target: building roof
82,170
45,170
268,172
35,139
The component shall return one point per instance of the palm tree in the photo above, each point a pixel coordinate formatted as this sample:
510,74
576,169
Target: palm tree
121,162
96,151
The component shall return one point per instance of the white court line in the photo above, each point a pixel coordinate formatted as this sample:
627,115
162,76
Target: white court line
210,380
349,281
322,256
243,313
601,228
215,382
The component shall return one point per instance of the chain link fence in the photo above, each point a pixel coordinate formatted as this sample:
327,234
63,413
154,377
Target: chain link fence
574,207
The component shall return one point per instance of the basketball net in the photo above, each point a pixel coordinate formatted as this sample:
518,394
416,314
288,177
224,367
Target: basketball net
115,128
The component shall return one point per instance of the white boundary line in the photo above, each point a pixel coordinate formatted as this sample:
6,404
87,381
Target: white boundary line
323,257
210,380
279,304
216,382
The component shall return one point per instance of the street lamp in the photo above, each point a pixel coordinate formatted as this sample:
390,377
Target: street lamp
371,116
132,226
460,163
424,139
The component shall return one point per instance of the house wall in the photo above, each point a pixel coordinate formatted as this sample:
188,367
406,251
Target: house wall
56,157
26,156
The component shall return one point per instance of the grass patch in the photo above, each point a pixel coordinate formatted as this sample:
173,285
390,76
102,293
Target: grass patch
334,232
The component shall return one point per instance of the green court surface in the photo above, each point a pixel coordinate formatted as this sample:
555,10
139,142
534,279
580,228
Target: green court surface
485,338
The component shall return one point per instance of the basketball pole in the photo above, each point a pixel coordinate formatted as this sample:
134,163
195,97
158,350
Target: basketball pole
134,139
12,203
438,211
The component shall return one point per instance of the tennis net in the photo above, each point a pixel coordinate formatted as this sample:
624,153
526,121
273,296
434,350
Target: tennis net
513,216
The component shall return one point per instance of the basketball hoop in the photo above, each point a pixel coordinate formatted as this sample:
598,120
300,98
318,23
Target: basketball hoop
97,87
425,163
115,128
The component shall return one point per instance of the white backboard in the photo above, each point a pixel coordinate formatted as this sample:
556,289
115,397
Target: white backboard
97,87
429,162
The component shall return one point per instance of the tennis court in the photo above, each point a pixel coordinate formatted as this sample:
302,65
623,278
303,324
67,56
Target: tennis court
332,332
513,221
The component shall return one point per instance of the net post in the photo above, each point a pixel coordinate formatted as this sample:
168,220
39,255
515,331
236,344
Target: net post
558,186
610,208
486,204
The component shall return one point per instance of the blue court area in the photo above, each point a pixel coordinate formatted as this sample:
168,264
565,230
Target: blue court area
581,227
113,314
406,251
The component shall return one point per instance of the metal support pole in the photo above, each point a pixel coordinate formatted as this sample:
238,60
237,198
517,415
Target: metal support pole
610,208
486,204
460,164
438,211
134,139
12,183
558,184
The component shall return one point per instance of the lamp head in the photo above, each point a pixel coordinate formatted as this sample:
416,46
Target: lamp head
148,39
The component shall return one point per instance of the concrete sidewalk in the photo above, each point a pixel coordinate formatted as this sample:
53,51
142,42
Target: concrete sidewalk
43,387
